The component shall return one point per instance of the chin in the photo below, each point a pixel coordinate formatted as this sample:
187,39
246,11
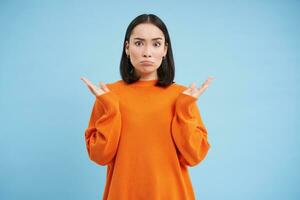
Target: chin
148,69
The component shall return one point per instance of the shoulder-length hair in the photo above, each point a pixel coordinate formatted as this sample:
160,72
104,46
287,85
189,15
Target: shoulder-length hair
166,70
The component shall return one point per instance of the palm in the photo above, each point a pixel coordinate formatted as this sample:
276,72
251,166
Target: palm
94,89
196,92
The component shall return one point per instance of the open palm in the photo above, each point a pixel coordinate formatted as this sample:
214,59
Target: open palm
192,90
94,89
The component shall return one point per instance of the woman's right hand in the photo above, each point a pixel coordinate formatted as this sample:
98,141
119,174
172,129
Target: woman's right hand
94,89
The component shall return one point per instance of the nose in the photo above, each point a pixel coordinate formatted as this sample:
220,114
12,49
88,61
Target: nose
147,52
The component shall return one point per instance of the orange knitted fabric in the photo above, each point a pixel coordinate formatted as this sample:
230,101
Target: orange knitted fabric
147,136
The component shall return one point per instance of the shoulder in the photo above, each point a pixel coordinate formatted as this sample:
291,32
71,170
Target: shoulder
115,85
179,87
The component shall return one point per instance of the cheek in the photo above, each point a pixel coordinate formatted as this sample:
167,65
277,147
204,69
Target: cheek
158,52
135,52
158,55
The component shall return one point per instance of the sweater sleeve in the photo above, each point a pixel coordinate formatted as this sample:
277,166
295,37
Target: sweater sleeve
103,132
188,131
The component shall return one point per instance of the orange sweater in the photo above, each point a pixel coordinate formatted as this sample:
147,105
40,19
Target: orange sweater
147,136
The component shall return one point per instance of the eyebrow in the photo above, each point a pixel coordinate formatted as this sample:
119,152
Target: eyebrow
137,38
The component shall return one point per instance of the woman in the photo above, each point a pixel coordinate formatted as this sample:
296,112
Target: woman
146,128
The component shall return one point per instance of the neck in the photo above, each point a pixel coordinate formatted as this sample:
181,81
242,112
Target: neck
148,76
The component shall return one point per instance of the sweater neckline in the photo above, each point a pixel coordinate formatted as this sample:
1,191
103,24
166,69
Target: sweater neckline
146,82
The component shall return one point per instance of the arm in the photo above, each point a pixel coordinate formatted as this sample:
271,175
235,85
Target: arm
188,131
103,132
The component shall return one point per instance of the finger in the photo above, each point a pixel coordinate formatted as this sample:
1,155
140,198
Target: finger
210,79
204,86
103,86
83,79
91,89
206,83
86,81
201,90
189,88
192,85
90,85
194,88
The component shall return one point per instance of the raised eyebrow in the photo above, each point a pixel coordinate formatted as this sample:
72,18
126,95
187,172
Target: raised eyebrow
137,38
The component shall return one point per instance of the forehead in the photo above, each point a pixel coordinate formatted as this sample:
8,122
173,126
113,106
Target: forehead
147,31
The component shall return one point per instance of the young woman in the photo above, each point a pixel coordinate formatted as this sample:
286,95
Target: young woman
146,128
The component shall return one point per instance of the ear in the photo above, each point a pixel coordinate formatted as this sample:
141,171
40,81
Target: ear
126,47
166,49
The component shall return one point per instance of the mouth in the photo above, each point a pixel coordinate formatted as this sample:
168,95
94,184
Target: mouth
146,63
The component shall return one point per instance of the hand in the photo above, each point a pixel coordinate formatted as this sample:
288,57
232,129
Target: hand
196,92
95,90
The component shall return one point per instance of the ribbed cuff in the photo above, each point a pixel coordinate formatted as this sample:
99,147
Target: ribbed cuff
109,101
184,104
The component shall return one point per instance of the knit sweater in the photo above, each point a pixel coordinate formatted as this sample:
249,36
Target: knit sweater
147,136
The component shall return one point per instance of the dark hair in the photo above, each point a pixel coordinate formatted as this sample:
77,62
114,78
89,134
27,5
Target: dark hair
166,70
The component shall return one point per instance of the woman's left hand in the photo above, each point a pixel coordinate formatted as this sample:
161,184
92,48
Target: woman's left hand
196,92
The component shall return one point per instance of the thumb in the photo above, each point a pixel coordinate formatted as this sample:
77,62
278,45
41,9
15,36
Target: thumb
190,88
192,85
103,86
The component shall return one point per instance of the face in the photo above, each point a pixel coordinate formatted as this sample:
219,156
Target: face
146,43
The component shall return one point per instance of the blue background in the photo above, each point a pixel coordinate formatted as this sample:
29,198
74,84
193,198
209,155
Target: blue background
251,110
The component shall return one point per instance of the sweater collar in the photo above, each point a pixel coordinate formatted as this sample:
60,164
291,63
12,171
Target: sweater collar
145,82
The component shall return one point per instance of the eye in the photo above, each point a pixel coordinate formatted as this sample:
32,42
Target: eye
137,43
157,44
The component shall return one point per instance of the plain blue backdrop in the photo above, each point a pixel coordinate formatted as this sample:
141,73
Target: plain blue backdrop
251,110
